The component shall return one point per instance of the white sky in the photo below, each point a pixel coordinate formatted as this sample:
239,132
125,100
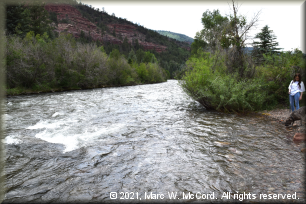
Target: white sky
283,17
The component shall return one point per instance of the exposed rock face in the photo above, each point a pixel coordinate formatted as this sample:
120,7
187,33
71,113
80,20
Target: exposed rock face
151,46
77,24
130,32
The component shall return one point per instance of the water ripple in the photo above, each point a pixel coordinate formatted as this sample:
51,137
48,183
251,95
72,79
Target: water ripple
82,145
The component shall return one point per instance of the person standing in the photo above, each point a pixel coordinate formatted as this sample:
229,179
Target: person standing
296,89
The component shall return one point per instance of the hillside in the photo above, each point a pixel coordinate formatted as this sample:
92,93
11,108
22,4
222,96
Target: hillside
177,36
89,24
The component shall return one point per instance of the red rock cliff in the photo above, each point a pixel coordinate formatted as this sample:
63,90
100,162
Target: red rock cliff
77,24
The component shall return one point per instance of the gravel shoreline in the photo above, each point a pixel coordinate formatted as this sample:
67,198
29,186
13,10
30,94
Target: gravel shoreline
280,115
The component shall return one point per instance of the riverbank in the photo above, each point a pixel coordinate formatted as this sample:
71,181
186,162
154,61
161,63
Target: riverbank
280,115
24,91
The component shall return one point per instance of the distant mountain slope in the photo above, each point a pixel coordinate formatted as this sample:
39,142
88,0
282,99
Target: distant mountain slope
248,49
177,36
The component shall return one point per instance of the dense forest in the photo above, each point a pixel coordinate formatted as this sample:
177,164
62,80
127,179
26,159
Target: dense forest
40,59
224,75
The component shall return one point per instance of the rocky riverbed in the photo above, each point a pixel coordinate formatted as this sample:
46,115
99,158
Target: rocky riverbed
296,132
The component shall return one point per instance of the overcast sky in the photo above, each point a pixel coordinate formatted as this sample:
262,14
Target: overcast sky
283,17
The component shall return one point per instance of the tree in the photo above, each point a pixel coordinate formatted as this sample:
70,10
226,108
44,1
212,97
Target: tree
197,44
213,23
17,20
115,54
125,45
234,36
227,34
266,43
132,57
40,22
136,44
140,55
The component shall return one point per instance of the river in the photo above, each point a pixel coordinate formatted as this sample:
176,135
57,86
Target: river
142,142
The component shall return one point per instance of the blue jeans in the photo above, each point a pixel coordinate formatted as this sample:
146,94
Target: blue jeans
294,99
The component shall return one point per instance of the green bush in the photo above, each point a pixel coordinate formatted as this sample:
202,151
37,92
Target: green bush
37,62
217,90
121,73
142,72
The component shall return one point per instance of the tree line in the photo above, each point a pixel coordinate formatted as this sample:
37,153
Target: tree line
39,59
172,59
223,75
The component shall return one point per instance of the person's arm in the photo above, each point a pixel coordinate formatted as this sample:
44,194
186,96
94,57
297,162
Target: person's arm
302,90
289,87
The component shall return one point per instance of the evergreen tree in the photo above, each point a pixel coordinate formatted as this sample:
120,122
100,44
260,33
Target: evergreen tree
40,22
267,41
17,20
125,45
132,56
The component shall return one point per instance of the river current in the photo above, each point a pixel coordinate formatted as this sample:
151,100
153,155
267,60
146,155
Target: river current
140,142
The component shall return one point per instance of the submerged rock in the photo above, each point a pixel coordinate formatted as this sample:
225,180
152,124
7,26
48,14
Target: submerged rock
298,137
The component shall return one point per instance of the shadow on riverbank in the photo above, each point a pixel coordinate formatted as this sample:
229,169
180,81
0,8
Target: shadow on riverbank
24,91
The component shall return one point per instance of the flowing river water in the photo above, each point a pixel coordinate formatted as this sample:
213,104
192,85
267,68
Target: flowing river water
143,142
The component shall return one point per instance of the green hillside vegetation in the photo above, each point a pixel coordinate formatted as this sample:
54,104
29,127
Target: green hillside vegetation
40,60
37,63
176,36
173,59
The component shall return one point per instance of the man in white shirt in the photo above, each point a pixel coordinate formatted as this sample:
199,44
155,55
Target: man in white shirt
296,89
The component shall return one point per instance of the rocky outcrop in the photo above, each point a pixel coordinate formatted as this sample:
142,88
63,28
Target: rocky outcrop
76,24
151,46
130,32
299,114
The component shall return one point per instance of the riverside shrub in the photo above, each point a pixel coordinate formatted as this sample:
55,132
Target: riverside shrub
36,62
207,81
217,90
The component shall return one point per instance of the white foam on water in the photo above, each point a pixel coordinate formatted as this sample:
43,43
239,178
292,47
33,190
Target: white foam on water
70,142
11,140
46,124
7,117
75,141
57,113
